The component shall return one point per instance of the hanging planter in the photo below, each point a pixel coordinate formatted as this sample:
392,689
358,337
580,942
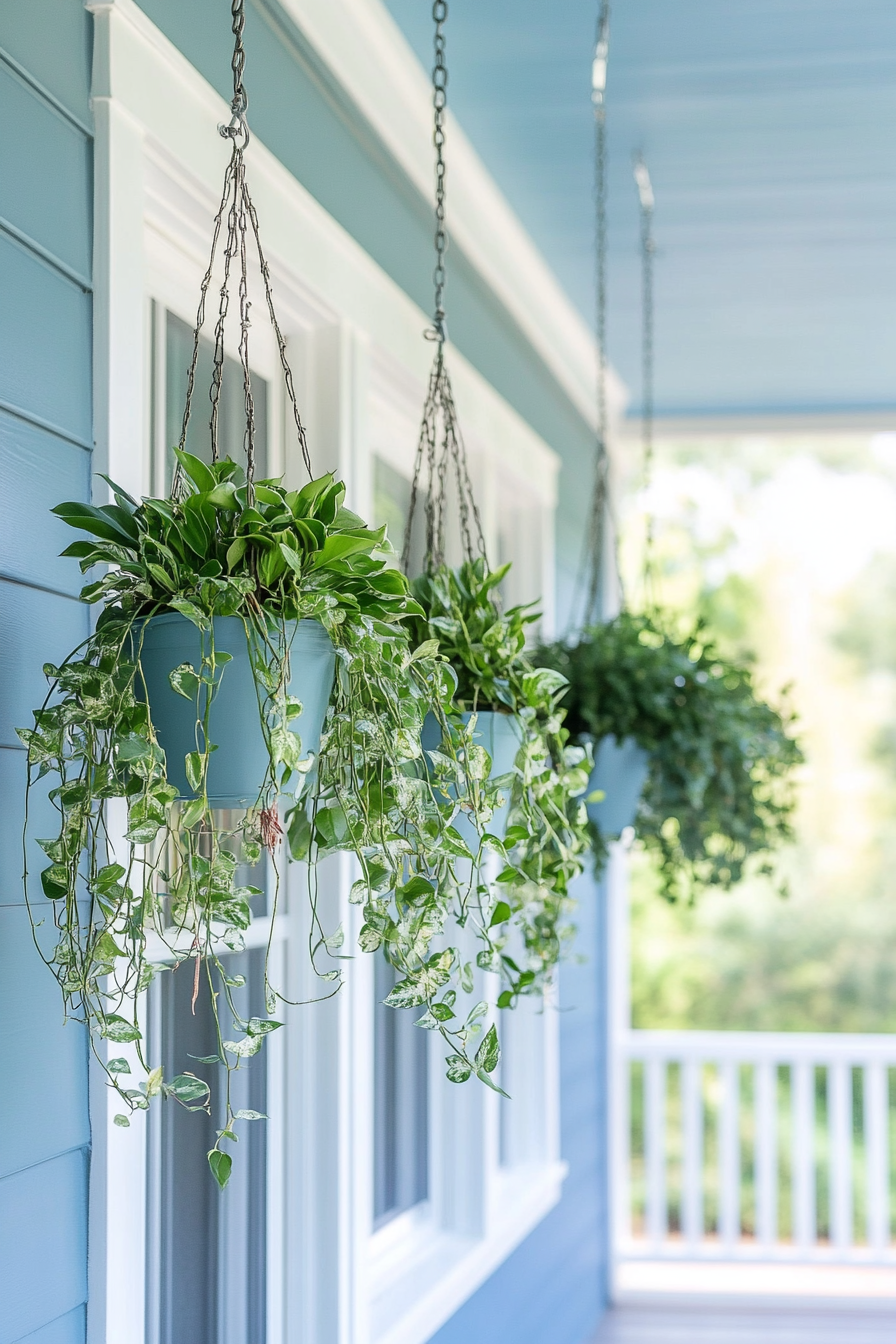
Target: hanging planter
518,783
253,661
719,785
616,784
227,706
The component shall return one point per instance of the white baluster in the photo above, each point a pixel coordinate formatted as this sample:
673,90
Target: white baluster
655,1154
729,1154
803,1101
877,1117
766,1153
692,1119
840,1142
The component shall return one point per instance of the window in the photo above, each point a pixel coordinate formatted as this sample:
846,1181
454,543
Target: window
401,1105
392,504
212,1247
172,353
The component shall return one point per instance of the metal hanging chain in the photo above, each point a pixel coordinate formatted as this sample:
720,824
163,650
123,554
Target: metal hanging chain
648,251
596,534
242,221
440,447
439,106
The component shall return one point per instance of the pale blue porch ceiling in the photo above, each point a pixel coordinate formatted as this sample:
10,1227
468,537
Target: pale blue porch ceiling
769,127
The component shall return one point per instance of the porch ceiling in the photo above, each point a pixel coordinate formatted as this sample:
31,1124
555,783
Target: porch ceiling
768,128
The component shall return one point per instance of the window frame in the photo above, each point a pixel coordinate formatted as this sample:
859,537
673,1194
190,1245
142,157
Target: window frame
330,1278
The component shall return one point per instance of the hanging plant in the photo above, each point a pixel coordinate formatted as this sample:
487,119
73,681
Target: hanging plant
512,709
251,654
719,788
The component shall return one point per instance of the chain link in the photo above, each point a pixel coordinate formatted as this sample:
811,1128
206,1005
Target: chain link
238,208
441,452
439,106
648,251
596,533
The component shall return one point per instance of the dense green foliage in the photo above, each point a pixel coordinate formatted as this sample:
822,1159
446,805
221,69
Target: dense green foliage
547,834
719,789
131,899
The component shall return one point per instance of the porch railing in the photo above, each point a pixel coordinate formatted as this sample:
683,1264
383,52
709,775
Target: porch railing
754,1146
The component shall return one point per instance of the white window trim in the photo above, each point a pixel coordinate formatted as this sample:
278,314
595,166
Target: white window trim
356,348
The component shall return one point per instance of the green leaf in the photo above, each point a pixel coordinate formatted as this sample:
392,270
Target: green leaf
249,1045
428,649
500,914
106,521
454,843
154,1082
337,548
490,1082
189,1090
298,834
260,1026
235,552
191,611
368,939
249,1115
415,889
122,1121
193,764
220,1164
116,1028
118,1066
489,1052
458,1070
224,497
192,813
201,475
185,681
54,881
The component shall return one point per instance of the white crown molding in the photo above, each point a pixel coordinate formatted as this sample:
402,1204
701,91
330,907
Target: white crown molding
369,57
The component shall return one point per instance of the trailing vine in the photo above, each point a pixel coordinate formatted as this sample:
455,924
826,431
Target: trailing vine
546,839
141,880
720,789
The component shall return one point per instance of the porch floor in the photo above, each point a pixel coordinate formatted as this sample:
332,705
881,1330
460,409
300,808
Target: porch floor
816,1322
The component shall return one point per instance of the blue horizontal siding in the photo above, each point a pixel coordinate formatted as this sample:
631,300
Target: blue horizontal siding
43,1245
51,42
46,245
43,821
45,1111
45,339
552,1290
45,171
38,470
67,1329
37,628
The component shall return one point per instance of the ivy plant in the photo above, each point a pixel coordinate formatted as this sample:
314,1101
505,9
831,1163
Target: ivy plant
720,787
543,848
140,881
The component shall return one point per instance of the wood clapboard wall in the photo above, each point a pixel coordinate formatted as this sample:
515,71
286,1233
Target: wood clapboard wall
45,453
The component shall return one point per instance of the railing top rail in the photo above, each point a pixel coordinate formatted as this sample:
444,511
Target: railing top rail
753,1047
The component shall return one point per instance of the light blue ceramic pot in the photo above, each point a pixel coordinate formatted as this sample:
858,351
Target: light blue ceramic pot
501,735
620,773
237,769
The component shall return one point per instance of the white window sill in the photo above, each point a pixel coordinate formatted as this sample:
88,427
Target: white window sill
420,1275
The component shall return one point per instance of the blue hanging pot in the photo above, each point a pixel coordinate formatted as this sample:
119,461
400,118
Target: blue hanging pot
620,773
502,736
237,769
